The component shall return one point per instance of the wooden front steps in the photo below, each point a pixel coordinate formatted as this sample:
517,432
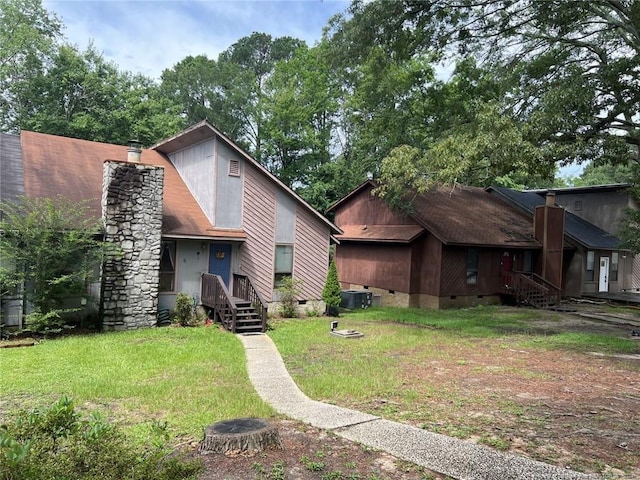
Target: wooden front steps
247,318
530,289
242,312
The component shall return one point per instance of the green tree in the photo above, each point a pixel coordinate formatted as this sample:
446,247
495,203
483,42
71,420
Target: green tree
245,68
198,86
28,35
51,247
573,64
300,105
331,293
606,173
81,95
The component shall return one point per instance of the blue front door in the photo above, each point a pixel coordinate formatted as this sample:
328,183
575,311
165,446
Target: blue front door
220,260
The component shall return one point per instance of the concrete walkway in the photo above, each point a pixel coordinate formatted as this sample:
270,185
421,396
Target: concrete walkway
459,459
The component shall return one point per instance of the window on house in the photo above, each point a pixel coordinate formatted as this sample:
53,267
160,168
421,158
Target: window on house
578,205
283,264
591,264
613,276
527,263
472,266
167,266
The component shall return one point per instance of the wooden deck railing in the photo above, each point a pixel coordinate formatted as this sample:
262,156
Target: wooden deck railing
216,296
243,288
530,288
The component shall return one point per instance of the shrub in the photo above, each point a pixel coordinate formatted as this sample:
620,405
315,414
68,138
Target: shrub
56,442
186,313
331,293
288,293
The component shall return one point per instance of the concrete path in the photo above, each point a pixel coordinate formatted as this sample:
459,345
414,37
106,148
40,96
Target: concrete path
449,456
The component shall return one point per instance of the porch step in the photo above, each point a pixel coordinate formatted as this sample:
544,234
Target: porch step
247,319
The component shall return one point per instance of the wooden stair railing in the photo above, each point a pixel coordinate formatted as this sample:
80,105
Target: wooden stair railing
216,296
243,288
530,288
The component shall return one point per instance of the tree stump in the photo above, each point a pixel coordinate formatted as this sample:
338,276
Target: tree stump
239,435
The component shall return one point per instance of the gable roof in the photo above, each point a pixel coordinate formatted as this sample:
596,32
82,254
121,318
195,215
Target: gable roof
577,229
466,216
55,165
203,131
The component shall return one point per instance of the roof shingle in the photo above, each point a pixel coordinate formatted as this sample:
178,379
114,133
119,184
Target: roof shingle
56,165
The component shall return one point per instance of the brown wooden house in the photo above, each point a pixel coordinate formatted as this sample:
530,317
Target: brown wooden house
466,246
458,247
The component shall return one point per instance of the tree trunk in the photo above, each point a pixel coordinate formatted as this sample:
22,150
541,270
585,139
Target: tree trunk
240,435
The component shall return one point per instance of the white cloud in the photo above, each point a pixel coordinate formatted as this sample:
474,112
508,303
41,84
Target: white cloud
148,36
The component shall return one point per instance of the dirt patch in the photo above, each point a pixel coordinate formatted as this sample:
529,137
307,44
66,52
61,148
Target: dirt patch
311,454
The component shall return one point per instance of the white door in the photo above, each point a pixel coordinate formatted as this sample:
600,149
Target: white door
604,274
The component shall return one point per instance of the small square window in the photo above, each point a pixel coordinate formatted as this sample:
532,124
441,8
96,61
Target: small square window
578,205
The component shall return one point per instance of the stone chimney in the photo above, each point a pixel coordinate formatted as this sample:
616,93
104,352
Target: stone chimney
134,151
132,213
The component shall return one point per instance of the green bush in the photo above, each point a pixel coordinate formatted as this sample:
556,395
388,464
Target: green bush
288,294
57,442
46,323
186,313
331,293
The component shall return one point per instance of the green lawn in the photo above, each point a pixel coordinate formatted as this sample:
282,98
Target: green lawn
192,377
189,377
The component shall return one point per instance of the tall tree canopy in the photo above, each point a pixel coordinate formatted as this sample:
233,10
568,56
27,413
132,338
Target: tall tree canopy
28,34
566,72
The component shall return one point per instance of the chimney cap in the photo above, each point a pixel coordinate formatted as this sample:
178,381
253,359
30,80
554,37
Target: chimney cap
550,198
135,143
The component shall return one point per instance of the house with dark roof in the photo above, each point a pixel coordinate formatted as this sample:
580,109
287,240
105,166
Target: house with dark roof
593,258
193,214
466,246
603,206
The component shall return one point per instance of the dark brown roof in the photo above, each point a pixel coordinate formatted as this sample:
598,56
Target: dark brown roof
472,216
73,168
381,233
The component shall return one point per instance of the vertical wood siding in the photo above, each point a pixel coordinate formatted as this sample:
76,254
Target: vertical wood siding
310,254
228,201
426,265
258,220
635,280
365,209
381,266
454,272
196,166
12,177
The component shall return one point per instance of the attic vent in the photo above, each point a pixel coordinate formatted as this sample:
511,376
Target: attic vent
234,168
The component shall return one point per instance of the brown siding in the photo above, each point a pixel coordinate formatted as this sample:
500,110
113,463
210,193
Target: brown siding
550,232
382,266
366,209
258,219
454,272
426,266
311,254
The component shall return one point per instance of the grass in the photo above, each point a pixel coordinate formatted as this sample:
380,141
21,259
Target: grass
193,377
189,377
373,369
